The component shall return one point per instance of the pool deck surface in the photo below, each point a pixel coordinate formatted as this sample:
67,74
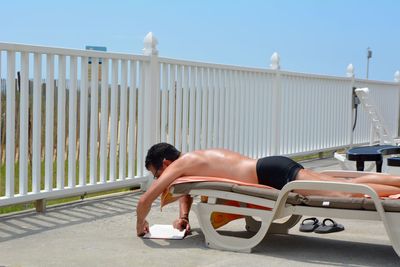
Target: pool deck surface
101,232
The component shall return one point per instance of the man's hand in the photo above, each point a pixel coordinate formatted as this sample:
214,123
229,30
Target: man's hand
181,224
142,228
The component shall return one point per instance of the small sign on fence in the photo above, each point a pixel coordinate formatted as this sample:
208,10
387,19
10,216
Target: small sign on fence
96,48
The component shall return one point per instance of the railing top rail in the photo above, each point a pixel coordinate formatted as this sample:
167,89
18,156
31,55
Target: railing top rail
377,82
212,65
261,70
68,52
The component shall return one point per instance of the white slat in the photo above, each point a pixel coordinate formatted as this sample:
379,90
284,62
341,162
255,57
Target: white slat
227,110
104,122
178,112
132,121
10,124
231,93
164,105
48,177
141,152
192,108
94,119
113,120
185,109
171,105
257,116
83,134
61,123
238,102
217,89
198,109
222,99
242,108
123,119
1,92
204,114
210,119
248,107
37,123
72,119
23,122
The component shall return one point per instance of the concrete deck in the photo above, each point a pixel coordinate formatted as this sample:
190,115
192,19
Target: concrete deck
101,232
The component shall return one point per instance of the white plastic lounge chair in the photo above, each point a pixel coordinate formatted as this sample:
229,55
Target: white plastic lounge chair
286,204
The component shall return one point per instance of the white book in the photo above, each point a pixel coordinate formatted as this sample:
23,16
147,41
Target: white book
164,231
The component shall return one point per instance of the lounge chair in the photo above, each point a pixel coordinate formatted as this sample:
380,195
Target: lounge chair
286,204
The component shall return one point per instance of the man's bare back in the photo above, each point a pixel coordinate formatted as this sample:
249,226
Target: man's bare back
217,163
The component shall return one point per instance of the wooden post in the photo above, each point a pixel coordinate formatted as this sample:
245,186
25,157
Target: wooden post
40,205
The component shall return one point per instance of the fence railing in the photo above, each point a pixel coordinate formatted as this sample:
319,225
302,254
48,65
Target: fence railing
98,153
261,112
88,118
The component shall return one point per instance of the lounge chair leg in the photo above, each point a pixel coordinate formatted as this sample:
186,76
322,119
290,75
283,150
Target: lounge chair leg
217,241
252,225
393,231
283,228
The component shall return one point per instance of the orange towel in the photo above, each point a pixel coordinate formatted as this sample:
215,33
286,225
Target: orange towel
218,219
167,197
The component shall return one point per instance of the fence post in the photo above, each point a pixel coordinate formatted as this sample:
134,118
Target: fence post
397,80
350,75
151,104
276,105
397,76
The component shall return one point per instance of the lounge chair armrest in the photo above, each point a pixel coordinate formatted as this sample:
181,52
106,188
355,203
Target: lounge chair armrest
350,174
329,186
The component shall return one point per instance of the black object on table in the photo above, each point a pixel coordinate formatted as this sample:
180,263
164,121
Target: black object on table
394,161
371,153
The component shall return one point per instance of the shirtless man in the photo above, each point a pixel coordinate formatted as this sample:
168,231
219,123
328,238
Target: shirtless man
166,163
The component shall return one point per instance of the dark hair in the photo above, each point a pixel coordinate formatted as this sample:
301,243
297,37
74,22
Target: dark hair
158,152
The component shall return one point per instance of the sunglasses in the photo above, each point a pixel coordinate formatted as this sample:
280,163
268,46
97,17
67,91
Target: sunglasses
155,175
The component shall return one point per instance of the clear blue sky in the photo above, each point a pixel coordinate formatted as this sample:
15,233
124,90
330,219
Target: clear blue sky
311,36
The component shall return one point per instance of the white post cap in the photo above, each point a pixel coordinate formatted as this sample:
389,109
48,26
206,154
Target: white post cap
150,45
350,70
397,76
275,61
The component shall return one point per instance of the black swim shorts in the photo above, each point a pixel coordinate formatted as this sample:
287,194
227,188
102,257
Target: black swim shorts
276,171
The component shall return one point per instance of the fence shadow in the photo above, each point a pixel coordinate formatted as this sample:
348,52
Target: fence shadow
30,223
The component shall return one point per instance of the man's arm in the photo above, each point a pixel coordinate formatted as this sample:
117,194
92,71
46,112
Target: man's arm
158,186
185,204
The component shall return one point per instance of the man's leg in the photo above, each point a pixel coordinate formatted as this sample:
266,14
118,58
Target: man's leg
383,185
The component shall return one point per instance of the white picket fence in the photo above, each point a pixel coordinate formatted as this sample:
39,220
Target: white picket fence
140,100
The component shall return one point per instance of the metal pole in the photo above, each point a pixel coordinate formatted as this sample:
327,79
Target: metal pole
369,55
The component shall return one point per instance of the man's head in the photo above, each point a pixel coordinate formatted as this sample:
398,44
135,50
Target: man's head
158,155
